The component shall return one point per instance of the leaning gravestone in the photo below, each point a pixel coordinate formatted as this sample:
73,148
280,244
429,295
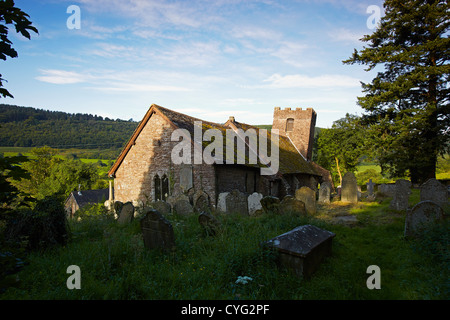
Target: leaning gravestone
126,215
421,216
308,197
209,223
236,202
401,195
289,204
156,230
325,192
254,203
434,191
349,190
183,207
302,249
270,204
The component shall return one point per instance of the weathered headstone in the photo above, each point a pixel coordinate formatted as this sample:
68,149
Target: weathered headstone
156,230
254,203
421,216
201,202
117,207
434,191
370,188
209,223
270,204
308,197
302,249
186,181
161,206
289,204
349,190
126,215
222,203
236,202
325,192
401,195
183,207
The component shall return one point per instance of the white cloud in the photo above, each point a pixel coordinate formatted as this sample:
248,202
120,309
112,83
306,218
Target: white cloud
61,76
136,87
345,35
304,81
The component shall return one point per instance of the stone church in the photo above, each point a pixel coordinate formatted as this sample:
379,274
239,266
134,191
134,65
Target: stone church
145,170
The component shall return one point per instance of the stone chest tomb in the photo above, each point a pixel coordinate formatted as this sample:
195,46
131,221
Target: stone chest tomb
302,249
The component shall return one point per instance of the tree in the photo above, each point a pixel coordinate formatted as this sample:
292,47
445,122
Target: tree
407,104
9,14
51,175
340,147
10,170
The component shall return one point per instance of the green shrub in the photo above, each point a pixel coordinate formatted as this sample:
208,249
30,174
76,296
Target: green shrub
44,226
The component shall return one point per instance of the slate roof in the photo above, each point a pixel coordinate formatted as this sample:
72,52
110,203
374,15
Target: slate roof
90,196
290,159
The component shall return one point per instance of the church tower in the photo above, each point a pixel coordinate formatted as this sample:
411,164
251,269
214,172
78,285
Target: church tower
299,126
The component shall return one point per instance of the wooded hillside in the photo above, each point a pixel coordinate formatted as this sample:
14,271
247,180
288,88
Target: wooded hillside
31,127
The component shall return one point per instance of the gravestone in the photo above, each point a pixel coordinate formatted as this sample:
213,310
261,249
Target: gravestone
254,203
349,190
434,191
270,204
325,192
201,202
209,223
308,197
186,178
302,249
117,207
126,215
222,203
183,207
156,230
289,204
236,202
161,206
401,195
370,188
421,216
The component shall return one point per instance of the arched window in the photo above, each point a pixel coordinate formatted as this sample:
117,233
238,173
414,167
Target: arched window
164,188
157,181
289,124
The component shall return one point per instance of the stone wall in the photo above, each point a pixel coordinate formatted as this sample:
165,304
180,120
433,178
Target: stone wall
302,134
151,156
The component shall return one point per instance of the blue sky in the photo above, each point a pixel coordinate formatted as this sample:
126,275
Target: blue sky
208,59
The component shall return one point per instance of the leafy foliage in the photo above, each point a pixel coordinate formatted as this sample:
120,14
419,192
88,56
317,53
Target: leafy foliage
10,170
9,14
407,104
44,226
340,147
51,175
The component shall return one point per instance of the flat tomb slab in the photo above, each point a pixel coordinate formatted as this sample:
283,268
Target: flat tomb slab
302,249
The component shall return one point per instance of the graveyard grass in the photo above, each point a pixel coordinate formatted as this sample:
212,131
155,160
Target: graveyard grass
115,265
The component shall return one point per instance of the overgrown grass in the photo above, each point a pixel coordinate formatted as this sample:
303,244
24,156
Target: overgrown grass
115,265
